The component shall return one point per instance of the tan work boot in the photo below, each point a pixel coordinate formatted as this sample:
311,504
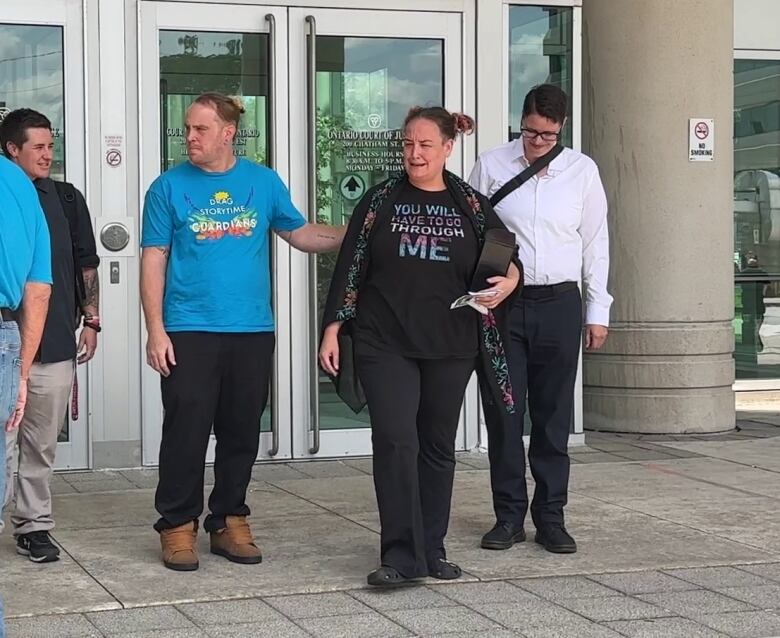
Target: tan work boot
235,542
179,547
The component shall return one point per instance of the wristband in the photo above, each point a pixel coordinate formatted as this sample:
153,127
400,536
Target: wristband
94,326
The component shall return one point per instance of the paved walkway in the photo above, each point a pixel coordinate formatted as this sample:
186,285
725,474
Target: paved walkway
678,537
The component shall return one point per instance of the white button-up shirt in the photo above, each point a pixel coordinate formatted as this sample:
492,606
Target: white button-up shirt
559,220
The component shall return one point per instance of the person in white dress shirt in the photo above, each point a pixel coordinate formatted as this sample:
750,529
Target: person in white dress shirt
559,217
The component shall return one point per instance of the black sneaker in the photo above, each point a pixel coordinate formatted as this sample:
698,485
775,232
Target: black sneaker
555,538
37,546
503,536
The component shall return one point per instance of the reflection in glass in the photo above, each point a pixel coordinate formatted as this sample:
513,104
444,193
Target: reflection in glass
540,51
365,87
32,76
194,62
757,218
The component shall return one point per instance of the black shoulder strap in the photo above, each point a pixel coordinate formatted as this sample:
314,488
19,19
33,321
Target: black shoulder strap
67,194
518,180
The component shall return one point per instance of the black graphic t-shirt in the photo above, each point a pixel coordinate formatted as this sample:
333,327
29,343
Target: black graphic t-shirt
421,259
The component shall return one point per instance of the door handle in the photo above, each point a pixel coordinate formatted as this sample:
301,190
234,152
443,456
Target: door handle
311,160
271,163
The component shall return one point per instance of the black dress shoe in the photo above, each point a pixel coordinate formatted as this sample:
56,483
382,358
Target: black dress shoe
389,577
503,536
555,538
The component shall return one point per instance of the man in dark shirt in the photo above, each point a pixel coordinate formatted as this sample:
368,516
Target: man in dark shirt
27,140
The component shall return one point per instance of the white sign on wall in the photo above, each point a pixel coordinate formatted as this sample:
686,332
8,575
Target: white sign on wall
701,139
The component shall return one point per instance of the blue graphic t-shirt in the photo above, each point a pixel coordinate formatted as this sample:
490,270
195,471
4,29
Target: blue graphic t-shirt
216,225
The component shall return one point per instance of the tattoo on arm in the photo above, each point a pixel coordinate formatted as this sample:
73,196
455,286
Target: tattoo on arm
91,287
165,250
328,236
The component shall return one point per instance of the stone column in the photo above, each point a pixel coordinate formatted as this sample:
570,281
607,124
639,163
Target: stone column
648,67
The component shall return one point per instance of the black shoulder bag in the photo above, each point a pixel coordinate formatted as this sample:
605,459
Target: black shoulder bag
67,195
518,180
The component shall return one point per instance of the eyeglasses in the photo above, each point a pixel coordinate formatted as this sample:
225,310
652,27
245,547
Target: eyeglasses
547,136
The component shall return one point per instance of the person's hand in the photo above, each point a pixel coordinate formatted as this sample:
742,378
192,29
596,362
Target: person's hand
21,401
595,336
159,352
501,288
329,350
87,344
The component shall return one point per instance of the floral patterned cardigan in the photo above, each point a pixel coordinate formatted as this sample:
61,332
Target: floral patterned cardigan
353,264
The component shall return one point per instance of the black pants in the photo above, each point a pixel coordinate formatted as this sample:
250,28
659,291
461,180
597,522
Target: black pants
220,379
546,333
414,406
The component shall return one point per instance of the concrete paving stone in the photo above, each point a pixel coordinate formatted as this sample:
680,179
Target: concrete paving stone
557,588
520,615
401,598
763,597
301,554
600,457
611,446
614,608
347,495
746,624
718,577
364,465
266,629
640,454
61,626
108,485
770,571
192,632
141,619
437,620
145,478
643,582
582,629
476,460
61,487
133,507
60,587
370,625
317,605
90,476
327,469
485,593
229,612
664,628
762,453
490,633
276,472
694,604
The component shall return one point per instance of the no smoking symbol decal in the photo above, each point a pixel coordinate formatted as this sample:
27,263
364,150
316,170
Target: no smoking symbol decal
113,157
702,130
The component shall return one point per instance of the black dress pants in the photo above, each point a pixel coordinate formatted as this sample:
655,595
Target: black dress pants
220,380
546,334
414,406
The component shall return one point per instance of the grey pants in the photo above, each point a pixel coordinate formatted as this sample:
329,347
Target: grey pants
29,499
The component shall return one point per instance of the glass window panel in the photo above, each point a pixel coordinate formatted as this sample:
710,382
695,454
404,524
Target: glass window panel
194,62
32,76
757,218
365,88
540,51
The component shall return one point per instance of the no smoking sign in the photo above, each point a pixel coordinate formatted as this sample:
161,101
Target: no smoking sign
701,139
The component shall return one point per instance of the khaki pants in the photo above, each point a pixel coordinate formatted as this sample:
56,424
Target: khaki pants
29,500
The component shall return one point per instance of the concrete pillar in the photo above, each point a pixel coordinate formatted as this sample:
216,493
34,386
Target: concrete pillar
648,67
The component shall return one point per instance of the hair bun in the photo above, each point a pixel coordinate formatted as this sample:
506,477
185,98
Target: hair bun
239,103
464,124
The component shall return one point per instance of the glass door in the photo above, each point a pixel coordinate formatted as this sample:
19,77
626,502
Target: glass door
353,77
41,68
186,50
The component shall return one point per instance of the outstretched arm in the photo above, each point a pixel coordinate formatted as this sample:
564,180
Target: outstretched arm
315,238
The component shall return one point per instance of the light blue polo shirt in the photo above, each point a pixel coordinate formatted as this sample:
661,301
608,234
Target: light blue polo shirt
216,225
25,248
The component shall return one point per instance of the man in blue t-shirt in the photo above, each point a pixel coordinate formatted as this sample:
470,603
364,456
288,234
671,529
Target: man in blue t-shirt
206,294
25,285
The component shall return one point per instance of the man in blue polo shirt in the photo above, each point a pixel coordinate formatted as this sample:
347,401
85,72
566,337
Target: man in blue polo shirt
206,293
25,286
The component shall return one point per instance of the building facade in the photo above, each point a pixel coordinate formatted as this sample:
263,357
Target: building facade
326,84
